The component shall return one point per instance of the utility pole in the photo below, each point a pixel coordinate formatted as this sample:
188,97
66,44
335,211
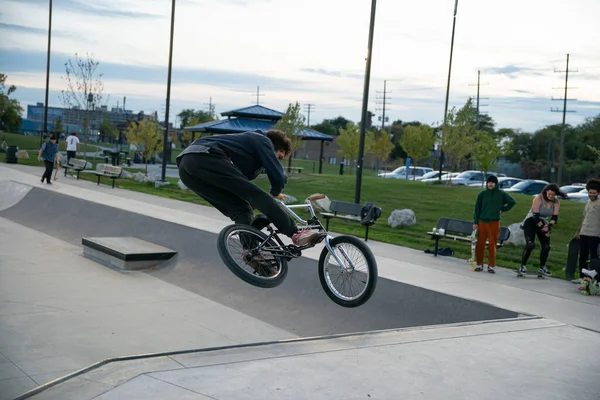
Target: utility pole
211,106
479,98
257,94
448,87
561,153
365,105
166,150
309,108
45,130
384,103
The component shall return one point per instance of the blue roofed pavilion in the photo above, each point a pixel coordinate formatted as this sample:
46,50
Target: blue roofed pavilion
254,118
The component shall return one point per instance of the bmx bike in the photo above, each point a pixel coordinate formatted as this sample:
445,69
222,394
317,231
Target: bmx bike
256,254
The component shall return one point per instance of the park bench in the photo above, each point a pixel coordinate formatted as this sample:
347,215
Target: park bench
459,230
297,169
348,212
75,164
109,171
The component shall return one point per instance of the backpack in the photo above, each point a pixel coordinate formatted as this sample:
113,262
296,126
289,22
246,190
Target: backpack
369,213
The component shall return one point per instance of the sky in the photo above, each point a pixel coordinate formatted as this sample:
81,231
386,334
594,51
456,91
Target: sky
313,52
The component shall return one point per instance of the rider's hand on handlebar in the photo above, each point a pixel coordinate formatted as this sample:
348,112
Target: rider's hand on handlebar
280,196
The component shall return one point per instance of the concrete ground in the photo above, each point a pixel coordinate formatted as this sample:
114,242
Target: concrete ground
60,312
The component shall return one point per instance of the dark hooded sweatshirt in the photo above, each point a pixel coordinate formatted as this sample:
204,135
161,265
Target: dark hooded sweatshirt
250,152
489,204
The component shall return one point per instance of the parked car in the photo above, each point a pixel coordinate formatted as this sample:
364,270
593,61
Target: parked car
571,188
402,173
444,177
503,183
528,186
431,175
468,177
579,197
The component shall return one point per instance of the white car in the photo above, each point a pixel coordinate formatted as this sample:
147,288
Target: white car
469,177
503,183
402,173
444,177
431,175
579,197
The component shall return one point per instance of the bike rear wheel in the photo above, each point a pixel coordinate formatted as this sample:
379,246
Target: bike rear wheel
353,283
251,257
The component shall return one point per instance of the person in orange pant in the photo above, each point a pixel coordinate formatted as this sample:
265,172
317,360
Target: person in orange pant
490,204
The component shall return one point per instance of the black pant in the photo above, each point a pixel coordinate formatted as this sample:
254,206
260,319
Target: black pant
71,154
214,178
588,247
48,173
531,230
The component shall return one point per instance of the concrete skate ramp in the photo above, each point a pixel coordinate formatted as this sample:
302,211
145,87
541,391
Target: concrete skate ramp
11,193
299,305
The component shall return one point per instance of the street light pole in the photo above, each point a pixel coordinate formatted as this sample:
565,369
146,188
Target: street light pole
47,74
166,132
365,104
448,88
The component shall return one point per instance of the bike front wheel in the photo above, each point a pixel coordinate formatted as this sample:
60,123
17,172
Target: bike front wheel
352,283
251,256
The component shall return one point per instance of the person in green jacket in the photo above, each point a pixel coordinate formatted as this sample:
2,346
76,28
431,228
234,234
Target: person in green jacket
490,204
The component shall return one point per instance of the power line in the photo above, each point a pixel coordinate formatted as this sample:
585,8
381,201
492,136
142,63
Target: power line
257,94
383,104
479,84
309,108
564,115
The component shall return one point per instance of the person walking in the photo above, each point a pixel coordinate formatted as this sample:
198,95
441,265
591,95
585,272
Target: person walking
72,146
588,232
49,154
490,204
539,221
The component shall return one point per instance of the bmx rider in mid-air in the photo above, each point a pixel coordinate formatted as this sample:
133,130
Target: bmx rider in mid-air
220,169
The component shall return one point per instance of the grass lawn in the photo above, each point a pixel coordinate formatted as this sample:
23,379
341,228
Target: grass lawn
429,202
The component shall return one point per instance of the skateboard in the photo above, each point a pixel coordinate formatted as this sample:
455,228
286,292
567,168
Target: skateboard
572,256
530,273
473,245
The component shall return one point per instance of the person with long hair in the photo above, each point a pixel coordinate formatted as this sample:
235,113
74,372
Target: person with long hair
539,221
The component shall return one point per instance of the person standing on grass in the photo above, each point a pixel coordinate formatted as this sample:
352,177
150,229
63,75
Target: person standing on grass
490,204
539,221
588,232
49,154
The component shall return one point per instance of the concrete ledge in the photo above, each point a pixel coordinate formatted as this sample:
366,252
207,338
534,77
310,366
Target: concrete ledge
127,253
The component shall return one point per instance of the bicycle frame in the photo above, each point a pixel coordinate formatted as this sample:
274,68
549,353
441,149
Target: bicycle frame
313,223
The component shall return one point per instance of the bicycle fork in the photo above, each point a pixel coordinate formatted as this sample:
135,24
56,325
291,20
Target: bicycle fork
347,267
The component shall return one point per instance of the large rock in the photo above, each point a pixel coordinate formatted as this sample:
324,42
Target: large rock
289,199
404,217
517,236
158,184
126,174
321,205
182,185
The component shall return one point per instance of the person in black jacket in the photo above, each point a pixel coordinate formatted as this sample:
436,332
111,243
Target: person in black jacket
220,169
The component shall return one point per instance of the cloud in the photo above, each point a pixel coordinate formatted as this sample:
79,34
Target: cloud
513,71
96,8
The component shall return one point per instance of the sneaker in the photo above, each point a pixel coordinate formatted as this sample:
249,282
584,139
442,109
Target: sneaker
544,271
589,272
577,281
479,268
301,239
522,270
491,270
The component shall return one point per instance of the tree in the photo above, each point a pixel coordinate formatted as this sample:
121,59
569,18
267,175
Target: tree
191,117
458,134
146,136
108,130
58,125
292,123
487,150
326,127
383,146
10,109
418,141
85,89
349,140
